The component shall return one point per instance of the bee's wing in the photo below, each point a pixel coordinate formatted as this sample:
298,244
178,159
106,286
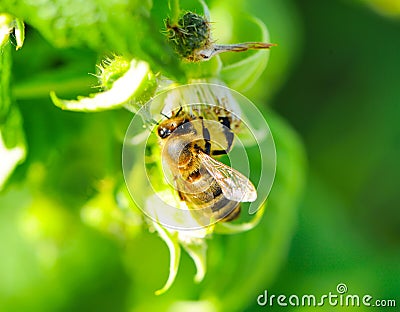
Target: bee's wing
234,185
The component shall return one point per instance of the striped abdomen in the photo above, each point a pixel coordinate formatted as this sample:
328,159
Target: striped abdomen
201,191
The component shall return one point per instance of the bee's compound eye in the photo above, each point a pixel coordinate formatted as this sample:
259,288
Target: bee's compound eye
163,133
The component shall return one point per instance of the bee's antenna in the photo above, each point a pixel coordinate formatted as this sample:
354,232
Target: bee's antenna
180,109
164,115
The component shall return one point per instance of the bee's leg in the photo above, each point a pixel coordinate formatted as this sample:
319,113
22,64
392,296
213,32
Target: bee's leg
225,121
206,136
229,139
207,147
181,196
179,111
219,152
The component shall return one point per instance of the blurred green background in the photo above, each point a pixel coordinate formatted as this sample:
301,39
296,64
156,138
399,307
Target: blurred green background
343,98
70,240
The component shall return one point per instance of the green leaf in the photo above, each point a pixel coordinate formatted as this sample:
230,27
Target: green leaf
198,252
175,255
123,89
10,157
8,24
241,75
130,28
68,23
19,31
5,28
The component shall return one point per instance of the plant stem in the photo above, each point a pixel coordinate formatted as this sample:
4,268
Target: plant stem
5,74
175,11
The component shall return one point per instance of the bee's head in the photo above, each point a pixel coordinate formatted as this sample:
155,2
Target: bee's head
168,126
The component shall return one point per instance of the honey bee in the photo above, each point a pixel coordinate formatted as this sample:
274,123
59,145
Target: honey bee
210,188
